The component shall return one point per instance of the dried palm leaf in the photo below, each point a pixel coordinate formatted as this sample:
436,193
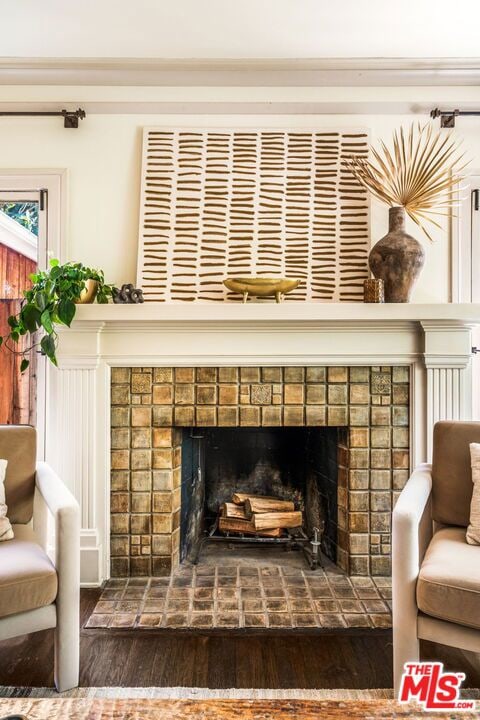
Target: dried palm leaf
422,173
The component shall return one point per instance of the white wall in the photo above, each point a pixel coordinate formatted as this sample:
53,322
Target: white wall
240,28
102,158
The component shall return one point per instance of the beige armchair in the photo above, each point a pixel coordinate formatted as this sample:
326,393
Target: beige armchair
37,592
435,573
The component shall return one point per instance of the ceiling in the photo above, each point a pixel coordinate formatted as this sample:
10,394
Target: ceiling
240,29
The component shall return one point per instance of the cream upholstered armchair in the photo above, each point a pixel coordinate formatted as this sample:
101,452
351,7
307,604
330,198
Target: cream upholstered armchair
37,593
435,573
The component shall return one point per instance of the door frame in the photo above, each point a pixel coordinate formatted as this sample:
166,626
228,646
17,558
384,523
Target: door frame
54,181
462,250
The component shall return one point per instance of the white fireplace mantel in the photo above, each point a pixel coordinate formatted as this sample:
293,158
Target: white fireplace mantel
433,340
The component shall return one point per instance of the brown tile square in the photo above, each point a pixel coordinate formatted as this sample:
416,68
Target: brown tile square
401,374
304,620
272,374
179,619
201,620
206,375
120,394
250,374
400,394
261,394
359,458
184,394
359,437
250,416
120,459
162,458
141,382
162,375
227,416
161,565
359,394
228,619
293,394
315,374
141,502
332,620
336,415
227,374
120,416
119,502
315,415
162,523
380,415
302,605
141,416
279,620
162,416
359,415
140,524
141,437
274,605
358,522
327,606
120,375
162,437
255,620
120,438
400,459
250,606
162,544
400,437
149,620
123,620
359,374
228,394
206,394
184,375
381,383
141,480
206,416
337,374
162,502
294,374
293,415
162,394
315,394
185,416
380,459
99,620
272,416
337,394
140,459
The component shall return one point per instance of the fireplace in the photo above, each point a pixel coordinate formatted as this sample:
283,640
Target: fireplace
353,418
295,464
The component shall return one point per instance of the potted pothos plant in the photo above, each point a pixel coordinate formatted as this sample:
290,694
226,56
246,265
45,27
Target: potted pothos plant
51,301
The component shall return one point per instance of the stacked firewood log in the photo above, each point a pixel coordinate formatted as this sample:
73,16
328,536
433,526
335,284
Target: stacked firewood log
258,515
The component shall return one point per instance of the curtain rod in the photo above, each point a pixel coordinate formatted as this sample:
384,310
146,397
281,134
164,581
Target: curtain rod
70,117
447,117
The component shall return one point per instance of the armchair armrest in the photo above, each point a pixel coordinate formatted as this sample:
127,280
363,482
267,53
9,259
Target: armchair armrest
66,516
66,513
411,533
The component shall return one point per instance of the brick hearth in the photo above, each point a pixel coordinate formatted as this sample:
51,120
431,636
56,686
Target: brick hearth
151,405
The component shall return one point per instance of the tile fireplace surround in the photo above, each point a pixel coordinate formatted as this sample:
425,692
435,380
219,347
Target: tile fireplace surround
151,405
164,367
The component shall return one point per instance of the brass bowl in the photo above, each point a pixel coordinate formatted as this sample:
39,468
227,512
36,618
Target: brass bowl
262,286
89,293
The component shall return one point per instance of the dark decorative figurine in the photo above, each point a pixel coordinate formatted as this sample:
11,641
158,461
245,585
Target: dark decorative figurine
127,294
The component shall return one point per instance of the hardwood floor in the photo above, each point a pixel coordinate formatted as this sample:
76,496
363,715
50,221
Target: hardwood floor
261,660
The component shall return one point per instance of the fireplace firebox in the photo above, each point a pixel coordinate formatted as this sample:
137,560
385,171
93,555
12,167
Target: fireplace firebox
299,465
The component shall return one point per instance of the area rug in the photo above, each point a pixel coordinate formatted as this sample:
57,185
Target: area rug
196,693
88,709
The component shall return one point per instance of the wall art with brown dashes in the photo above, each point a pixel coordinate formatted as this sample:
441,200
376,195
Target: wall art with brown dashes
221,202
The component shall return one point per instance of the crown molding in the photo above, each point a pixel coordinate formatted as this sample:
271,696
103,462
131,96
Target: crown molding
328,72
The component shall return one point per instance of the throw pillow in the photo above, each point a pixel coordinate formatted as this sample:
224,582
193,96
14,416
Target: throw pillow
473,530
6,532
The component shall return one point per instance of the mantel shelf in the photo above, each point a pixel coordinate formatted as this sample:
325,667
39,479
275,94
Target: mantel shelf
287,312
